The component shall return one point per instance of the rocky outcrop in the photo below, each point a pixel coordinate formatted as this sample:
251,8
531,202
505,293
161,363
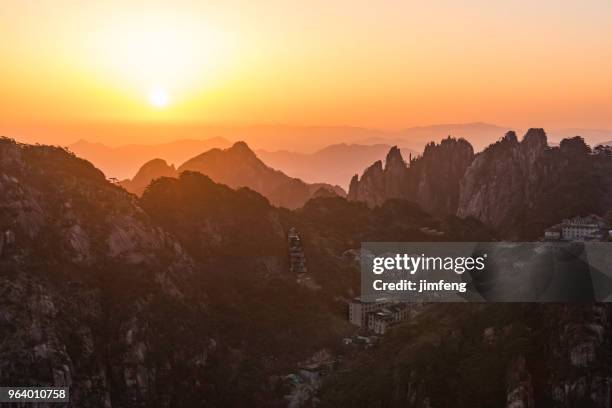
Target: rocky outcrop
537,355
581,347
518,188
522,187
519,385
578,341
370,188
171,299
82,272
436,178
431,180
503,178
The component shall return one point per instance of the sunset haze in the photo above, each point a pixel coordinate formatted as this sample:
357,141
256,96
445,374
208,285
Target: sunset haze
72,65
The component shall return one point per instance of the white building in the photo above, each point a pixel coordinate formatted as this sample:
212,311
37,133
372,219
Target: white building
358,310
380,320
590,228
583,228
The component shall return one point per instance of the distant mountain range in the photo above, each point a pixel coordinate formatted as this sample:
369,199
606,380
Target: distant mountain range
313,153
333,164
591,136
237,166
124,161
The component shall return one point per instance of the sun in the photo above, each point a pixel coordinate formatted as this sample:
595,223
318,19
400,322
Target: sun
158,97
161,58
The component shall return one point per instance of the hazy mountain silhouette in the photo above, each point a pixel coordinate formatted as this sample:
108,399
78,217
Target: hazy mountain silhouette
479,134
591,136
237,166
333,164
123,161
149,171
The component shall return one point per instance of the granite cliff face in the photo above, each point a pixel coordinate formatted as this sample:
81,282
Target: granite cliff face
516,187
432,180
504,178
520,188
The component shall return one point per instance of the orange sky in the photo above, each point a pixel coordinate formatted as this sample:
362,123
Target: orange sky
385,64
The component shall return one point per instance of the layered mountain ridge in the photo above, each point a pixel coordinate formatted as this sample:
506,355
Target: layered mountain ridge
333,164
237,166
124,161
183,297
159,301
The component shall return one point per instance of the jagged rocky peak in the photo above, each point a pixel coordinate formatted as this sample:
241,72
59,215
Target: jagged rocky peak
374,169
535,137
510,137
431,180
434,179
241,147
354,182
458,151
522,188
371,187
449,143
574,146
394,159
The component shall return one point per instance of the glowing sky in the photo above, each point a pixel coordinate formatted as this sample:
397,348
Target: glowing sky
385,64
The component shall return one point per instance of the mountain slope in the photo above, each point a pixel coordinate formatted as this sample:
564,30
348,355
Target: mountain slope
82,273
238,166
184,298
181,299
534,355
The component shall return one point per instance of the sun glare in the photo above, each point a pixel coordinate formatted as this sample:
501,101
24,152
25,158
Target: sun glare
159,49
158,98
